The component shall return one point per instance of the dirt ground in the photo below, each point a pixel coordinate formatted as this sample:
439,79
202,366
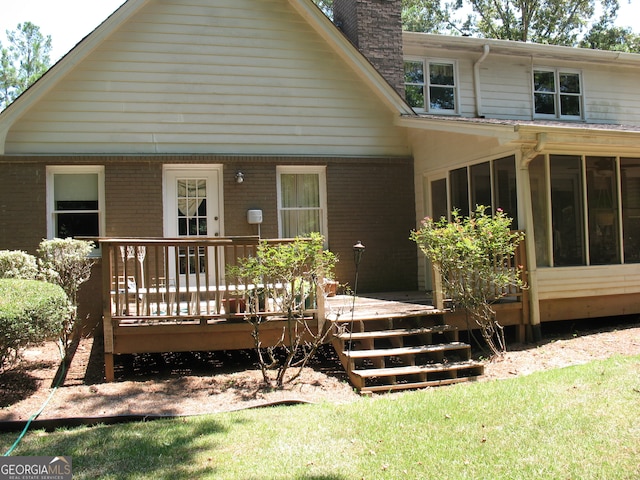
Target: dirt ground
189,384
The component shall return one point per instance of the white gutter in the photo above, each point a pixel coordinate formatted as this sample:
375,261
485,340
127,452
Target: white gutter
476,79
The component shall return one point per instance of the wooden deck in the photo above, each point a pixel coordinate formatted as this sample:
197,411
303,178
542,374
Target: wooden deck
511,312
172,295
154,302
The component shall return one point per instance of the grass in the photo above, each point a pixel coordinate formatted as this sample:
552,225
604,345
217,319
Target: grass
572,423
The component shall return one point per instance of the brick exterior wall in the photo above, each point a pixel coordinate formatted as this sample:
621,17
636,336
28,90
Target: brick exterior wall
23,213
133,197
371,200
375,28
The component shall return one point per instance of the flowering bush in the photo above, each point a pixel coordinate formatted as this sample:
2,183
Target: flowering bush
471,254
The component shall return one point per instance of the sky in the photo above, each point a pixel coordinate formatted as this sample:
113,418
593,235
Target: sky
69,21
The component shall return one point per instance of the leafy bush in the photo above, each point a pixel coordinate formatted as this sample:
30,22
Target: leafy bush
17,264
31,311
470,254
66,262
299,265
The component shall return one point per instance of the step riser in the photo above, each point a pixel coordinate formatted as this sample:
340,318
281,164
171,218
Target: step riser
430,378
388,323
403,352
397,342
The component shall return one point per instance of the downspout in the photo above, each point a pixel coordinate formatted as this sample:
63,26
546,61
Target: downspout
476,79
527,205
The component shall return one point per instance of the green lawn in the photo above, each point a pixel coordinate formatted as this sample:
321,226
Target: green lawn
573,423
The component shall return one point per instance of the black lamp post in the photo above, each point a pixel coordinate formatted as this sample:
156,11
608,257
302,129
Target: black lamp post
358,250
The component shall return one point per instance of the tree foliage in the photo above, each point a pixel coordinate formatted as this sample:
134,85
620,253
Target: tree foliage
23,60
472,256
605,36
583,23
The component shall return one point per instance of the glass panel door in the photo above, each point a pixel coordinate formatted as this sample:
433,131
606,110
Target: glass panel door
191,210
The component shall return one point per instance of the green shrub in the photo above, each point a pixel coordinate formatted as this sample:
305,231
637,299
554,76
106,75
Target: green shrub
31,311
299,265
470,254
66,262
17,264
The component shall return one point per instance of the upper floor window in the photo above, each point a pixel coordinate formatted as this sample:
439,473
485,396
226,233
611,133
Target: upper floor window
75,201
557,93
302,201
430,85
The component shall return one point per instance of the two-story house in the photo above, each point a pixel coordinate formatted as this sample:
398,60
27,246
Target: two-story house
549,134
354,129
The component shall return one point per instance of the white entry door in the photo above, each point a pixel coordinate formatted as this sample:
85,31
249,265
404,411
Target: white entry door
192,209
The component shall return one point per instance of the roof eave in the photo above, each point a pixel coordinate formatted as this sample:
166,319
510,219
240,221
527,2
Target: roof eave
515,48
504,131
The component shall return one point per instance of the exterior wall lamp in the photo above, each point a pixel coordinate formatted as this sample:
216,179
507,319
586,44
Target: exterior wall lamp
239,177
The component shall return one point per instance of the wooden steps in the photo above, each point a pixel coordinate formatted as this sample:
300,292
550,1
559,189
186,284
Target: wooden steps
403,351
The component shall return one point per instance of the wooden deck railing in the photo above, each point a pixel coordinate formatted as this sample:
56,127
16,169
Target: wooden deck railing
505,263
179,280
169,295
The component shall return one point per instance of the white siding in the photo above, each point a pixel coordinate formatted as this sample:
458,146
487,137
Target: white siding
505,86
610,90
227,77
612,95
572,282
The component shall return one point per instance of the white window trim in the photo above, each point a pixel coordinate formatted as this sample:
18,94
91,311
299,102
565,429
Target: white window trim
456,78
74,169
322,178
426,108
556,75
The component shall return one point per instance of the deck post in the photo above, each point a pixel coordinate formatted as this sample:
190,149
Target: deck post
438,296
107,323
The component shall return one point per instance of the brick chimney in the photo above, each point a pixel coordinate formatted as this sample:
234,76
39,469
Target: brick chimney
375,28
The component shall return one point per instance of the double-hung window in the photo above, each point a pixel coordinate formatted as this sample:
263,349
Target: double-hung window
75,201
557,93
431,85
302,201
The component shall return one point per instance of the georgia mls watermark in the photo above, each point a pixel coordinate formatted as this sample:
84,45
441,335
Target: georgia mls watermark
35,468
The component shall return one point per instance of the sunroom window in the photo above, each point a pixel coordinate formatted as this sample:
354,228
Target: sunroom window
492,184
585,209
430,85
557,94
75,201
301,201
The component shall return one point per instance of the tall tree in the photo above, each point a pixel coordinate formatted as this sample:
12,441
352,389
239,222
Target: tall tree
606,36
22,61
558,22
584,23
431,16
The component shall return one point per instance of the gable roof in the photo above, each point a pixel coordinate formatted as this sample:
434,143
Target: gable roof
311,14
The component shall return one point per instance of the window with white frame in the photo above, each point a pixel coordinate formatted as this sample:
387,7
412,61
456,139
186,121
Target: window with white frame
431,85
75,201
557,93
302,201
